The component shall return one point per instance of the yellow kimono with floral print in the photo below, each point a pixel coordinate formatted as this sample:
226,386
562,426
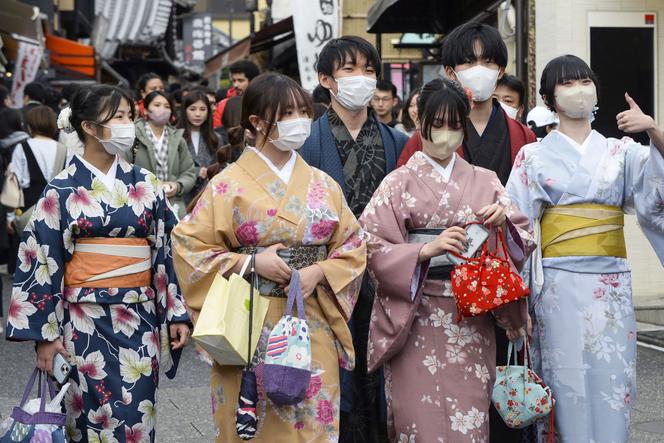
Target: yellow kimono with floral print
247,204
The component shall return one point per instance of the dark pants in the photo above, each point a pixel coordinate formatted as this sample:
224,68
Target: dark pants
500,433
363,406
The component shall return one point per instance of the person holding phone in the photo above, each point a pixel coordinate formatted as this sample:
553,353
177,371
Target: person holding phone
439,374
95,281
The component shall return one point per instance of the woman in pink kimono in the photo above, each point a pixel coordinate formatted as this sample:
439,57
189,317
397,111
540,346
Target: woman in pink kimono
439,373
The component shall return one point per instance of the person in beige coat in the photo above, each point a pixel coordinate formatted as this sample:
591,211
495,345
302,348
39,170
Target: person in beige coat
162,150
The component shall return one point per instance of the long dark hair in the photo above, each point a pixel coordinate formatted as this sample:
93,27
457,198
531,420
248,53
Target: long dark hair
207,130
98,104
407,122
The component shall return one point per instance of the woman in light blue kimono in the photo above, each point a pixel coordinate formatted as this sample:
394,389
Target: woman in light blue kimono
574,185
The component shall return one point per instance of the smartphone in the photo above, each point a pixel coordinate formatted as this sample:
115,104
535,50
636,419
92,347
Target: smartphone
476,235
61,368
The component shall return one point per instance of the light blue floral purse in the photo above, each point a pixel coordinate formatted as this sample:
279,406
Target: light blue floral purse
520,396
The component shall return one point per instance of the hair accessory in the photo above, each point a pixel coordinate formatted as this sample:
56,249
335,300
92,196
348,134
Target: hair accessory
64,120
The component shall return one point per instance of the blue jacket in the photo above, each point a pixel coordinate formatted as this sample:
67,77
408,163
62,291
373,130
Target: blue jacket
320,149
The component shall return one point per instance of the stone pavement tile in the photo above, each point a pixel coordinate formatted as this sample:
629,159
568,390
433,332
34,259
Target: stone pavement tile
184,415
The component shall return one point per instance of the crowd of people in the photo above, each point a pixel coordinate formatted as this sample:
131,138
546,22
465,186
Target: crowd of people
133,204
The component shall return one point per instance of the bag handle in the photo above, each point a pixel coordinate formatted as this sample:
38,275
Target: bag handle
295,296
251,259
246,264
44,384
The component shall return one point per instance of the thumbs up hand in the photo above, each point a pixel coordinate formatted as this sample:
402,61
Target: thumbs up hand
634,120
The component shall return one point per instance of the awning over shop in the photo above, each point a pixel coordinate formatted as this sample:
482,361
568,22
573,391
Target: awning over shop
71,55
266,38
429,16
21,22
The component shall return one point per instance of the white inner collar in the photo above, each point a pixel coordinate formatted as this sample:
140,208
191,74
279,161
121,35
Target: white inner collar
446,171
108,178
579,147
285,172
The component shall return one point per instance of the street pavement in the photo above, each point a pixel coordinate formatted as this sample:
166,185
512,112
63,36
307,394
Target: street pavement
184,410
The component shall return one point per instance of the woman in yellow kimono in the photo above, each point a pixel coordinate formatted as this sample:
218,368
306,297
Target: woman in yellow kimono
271,201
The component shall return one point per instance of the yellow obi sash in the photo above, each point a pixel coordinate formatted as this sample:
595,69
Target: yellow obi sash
109,263
583,229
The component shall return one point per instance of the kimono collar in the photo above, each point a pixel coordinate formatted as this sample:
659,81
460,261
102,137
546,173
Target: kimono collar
285,172
444,171
579,147
280,192
108,178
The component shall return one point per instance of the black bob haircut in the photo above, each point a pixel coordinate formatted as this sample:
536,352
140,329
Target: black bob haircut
442,98
386,86
459,45
562,69
246,67
339,51
97,104
515,84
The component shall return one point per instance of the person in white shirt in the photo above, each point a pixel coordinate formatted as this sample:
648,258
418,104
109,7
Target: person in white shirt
37,160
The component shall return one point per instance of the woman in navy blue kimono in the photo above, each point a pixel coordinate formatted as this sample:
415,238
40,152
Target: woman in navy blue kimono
95,281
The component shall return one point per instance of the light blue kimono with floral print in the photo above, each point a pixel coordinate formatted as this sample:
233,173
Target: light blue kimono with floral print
584,328
118,337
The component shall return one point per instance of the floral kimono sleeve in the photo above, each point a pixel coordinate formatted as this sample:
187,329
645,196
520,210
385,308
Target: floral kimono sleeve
347,256
644,191
200,248
170,304
169,296
36,306
394,266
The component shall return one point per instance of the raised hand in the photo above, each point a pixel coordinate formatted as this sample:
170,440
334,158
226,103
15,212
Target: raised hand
634,120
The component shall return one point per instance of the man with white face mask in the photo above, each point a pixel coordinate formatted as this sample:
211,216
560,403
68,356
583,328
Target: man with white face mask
476,56
351,145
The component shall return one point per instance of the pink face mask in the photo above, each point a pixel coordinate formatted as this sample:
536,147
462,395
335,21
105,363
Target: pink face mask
160,116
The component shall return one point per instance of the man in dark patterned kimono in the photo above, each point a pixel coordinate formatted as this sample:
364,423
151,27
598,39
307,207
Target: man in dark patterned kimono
351,145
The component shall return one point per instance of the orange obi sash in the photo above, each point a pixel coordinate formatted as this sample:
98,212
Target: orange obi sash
109,263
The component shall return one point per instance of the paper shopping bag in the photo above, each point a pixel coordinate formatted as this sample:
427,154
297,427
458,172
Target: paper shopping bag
222,328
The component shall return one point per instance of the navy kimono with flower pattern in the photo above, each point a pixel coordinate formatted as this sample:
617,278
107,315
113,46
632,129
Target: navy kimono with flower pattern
117,336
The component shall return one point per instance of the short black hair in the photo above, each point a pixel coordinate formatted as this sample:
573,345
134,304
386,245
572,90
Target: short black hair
386,86
346,49
98,104
321,95
36,91
246,67
559,70
144,79
515,84
442,98
11,120
4,93
459,45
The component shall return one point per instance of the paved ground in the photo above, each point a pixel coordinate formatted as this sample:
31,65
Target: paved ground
184,403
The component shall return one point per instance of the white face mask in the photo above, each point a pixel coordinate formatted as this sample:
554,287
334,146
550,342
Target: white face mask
510,110
292,134
443,143
122,138
480,80
355,92
577,101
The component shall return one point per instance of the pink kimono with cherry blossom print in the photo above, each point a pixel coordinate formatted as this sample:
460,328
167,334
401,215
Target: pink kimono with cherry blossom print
439,373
